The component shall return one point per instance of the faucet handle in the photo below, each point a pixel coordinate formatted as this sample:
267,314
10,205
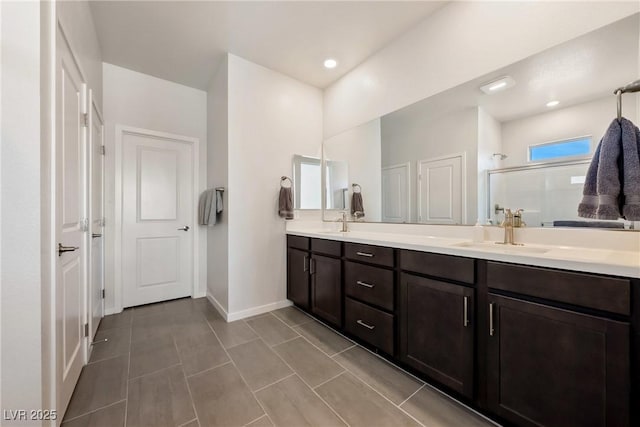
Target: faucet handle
517,217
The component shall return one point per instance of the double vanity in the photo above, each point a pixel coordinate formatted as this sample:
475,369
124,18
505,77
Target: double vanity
532,335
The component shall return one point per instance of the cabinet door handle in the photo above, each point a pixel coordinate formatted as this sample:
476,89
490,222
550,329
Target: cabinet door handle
465,321
361,323
312,266
491,329
368,255
305,265
365,284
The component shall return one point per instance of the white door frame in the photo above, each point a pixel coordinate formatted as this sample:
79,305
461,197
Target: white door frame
463,157
121,131
408,166
90,147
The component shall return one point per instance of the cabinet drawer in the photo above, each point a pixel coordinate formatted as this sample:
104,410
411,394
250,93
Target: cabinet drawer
586,290
369,284
298,242
438,265
369,324
368,253
328,247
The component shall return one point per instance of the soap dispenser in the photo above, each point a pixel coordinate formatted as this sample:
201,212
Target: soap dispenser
478,232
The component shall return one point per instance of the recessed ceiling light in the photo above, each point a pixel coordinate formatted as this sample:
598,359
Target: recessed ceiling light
552,103
330,63
498,85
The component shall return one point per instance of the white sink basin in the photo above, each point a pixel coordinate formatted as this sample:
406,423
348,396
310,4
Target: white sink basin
506,249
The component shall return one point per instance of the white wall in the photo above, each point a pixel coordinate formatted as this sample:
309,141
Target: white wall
218,176
361,148
271,118
590,118
143,101
459,42
414,136
21,321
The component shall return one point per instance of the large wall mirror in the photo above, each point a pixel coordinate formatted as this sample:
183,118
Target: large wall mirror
519,137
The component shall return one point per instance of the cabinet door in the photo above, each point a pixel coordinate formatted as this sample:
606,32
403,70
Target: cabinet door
436,330
552,367
298,277
326,288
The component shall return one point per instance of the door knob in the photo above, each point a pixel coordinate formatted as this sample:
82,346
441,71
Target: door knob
63,249
185,228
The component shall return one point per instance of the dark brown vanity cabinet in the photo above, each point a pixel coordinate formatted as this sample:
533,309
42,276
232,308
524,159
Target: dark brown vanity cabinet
437,330
552,367
298,263
326,288
314,276
553,364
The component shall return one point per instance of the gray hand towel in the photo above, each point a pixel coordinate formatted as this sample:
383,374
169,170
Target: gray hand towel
219,205
357,204
602,184
205,207
631,170
285,203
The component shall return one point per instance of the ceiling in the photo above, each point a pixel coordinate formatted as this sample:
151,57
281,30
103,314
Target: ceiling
583,69
184,41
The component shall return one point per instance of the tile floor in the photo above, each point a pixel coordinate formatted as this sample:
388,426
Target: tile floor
179,363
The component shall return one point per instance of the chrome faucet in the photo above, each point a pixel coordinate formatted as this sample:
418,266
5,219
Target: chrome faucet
344,222
511,220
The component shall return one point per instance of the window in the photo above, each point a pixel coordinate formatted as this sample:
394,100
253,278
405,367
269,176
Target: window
568,148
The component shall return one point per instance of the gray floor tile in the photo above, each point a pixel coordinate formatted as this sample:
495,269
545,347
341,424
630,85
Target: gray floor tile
292,316
159,399
258,364
152,355
192,423
291,402
359,405
313,366
263,421
111,416
323,338
190,324
151,326
271,329
233,333
148,309
200,352
100,384
434,409
120,320
118,342
222,399
390,381
186,305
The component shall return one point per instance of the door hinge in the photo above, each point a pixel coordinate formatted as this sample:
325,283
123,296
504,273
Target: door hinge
85,120
102,150
86,329
102,293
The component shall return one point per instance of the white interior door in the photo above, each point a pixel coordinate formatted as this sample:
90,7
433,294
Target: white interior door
395,193
70,223
441,190
96,215
157,213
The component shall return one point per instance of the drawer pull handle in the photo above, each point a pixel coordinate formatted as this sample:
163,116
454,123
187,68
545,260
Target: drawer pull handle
365,284
491,328
361,323
368,255
312,266
465,321
305,264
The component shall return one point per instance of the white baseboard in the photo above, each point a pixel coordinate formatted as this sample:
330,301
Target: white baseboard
243,314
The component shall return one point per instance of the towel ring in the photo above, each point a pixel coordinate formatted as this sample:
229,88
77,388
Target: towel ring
356,186
283,180
220,189
619,96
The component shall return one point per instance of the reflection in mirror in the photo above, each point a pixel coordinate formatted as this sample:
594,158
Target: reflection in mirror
521,137
337,184
307,182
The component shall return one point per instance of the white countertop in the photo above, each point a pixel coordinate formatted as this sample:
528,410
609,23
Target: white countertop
598,260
